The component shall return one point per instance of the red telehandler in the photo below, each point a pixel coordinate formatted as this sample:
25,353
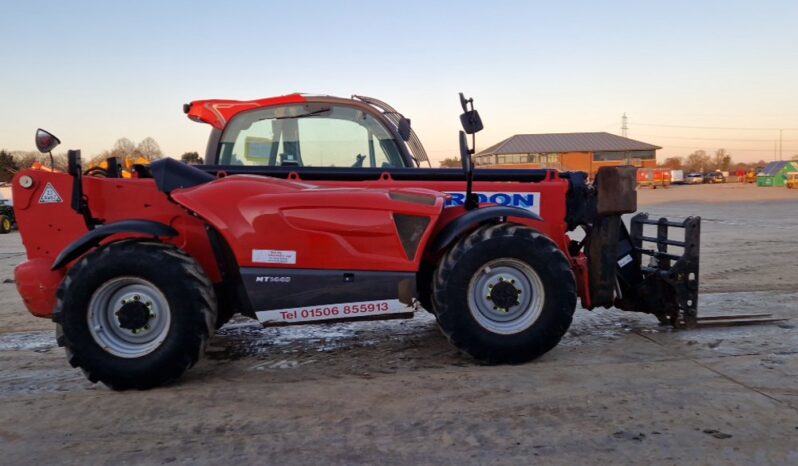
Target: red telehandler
315,209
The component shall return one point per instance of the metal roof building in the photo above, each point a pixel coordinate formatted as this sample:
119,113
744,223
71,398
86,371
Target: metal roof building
567,151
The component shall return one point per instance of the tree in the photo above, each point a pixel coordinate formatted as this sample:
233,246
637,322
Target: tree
123,149
191,158
674,163
698,161
452,162
722,160
149,149
8,166
795,157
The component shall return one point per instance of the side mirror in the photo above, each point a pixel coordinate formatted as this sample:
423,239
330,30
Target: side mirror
404,128
45,141
471,122
465,154
470,119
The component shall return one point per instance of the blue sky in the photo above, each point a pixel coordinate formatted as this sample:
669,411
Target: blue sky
97,71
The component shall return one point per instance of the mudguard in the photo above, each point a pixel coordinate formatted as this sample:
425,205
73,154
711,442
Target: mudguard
93,238
465,222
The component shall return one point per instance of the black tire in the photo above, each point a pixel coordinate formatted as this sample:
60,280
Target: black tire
188,313
97,172
5,224
463,269
424,285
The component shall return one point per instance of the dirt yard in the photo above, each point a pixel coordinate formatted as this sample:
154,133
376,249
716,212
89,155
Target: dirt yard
618,389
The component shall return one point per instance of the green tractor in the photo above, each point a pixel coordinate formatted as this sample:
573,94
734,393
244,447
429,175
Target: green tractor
7,219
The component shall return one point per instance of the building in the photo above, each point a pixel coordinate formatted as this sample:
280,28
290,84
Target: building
775,173
585,152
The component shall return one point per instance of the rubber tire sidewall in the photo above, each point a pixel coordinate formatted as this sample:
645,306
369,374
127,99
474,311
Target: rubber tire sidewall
185,338
559,285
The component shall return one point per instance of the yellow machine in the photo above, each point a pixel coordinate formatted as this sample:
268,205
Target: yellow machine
792,180
125,169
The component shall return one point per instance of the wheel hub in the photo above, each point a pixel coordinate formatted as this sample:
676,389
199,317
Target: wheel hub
504,295
134,315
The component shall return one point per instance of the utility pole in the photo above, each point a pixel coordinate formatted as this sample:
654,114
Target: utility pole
780,134
624,127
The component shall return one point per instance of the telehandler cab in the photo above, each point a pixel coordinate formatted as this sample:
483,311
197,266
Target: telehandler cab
315,209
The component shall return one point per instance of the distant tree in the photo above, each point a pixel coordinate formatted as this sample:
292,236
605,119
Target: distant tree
722,160
8,166
26,159
452,162
698,161
149,149
123,149
674,163
795,157
191,158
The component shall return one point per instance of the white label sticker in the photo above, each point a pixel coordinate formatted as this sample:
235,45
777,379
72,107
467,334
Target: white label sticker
50,195
272,256
624,260
333,311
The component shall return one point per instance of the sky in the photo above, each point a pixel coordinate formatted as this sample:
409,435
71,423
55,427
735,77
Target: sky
689,74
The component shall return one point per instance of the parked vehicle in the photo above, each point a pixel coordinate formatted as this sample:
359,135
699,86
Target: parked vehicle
714,177
7,218
792,181
653,177
137,273
677,177
694,178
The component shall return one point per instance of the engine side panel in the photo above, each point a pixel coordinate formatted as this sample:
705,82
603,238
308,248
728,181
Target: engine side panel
277,223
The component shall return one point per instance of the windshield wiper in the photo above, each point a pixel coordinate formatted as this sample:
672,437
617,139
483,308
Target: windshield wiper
305,115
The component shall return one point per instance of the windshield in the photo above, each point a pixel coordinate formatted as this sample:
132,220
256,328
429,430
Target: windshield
311,135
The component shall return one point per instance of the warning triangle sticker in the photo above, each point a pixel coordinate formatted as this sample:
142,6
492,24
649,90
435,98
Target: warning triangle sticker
50,195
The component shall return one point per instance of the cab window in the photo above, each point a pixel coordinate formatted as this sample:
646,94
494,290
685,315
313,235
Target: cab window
312,135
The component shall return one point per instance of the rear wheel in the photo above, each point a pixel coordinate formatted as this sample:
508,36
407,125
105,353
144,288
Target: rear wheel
5,224
504,294
135,314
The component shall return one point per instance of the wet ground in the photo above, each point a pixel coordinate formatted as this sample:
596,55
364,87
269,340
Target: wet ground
618,389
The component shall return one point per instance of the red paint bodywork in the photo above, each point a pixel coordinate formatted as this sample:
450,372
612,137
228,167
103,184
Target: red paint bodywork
218,113
346,225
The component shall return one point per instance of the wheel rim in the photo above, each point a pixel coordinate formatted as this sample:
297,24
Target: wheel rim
129,317
506,296
6,224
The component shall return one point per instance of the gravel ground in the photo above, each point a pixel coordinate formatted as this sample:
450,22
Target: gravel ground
619,389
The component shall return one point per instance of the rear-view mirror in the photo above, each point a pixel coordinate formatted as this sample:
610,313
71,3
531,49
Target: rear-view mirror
45,141
471,122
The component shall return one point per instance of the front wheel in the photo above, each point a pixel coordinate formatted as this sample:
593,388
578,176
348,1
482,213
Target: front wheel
135,314
504,294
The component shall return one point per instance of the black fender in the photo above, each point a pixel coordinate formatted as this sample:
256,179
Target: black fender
93,238
475,217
